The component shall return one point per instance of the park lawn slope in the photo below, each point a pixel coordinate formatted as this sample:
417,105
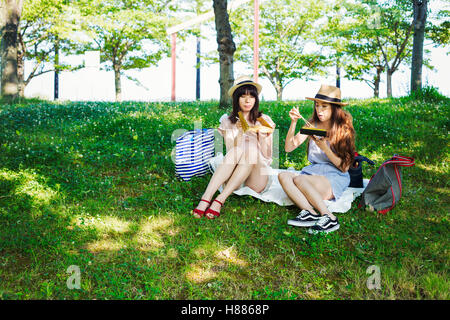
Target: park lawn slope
92,185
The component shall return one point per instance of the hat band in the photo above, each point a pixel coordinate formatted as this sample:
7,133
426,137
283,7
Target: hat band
246,81
326,98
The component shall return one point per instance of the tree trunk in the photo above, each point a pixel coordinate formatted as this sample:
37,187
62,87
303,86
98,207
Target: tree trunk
118,84
376,89
389,83
21,71
279,90
10,17
376,82
226,48
279,94
420,18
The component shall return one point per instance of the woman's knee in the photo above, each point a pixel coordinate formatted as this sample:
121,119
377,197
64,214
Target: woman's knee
300,181
256,180
233,155
284,177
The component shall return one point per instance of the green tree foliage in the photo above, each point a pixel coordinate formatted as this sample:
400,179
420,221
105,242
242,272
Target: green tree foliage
334,34
379,36
388,25
351,45
438,28
45,24
130,34
364,63
288,32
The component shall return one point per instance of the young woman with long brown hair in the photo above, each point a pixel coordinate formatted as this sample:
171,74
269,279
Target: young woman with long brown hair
249,154
331,156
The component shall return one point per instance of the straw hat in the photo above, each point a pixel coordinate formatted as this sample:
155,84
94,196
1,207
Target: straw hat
329,94
242,81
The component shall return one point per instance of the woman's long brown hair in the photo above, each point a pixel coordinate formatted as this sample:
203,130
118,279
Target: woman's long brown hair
254,113
341,134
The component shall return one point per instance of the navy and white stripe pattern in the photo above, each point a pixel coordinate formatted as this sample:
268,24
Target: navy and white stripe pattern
192,153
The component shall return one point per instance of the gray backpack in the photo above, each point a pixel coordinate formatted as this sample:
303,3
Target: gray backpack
385,187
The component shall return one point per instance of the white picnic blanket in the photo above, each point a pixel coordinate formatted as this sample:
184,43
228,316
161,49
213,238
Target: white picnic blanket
276,194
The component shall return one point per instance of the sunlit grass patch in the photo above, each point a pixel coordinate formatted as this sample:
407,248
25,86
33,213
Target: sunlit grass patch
433,168
152,231
229,255
215,261
149,242
436,285
26,183
105,245
102,224
200,272
156,224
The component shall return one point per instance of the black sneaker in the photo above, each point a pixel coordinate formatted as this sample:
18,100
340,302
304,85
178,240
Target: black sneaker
304,219
325,224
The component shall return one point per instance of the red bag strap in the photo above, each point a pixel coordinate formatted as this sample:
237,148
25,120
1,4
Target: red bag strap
401,161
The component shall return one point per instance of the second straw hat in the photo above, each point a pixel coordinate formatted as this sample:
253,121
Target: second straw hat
330,94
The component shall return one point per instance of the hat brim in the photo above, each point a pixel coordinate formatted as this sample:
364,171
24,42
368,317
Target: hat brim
338,103
233,88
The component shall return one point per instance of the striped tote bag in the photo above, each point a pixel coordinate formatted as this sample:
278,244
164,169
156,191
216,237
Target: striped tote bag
193,150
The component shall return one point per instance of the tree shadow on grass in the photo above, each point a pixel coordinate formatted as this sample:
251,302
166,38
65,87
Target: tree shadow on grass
77,153
34,238
116,245
46,234
41,236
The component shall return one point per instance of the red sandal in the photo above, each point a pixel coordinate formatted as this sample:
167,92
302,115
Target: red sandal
214,213
198,213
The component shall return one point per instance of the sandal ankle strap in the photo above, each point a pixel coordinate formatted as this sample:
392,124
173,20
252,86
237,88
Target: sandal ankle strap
221,204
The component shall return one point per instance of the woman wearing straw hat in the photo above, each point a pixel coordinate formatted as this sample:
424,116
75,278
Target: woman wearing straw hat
330,157
248,154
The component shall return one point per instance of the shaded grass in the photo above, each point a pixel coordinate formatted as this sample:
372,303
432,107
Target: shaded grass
92,184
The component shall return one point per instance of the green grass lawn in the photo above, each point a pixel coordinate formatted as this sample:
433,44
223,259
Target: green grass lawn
92,184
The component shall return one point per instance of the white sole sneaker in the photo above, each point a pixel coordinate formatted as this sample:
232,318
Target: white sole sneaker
301,223
312,231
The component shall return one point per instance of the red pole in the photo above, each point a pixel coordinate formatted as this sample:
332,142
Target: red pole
174,43
256,42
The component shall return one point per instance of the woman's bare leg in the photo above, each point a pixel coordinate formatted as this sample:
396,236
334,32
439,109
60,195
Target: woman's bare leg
247,167
221,175
287,182
258,178
316,189
239,175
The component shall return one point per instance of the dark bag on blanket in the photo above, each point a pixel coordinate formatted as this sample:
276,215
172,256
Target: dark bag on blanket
355,171
385,187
